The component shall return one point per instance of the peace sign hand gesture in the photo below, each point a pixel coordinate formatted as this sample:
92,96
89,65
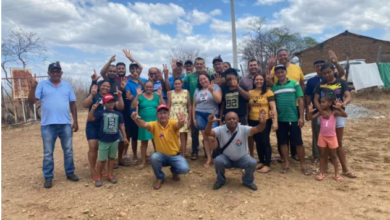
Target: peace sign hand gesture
181,117
211,87
94,106
94,76
118,92
135,115
165,70
212,117
123,83
94,90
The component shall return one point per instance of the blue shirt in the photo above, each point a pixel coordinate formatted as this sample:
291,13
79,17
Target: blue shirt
55,102
171,81
132,87
109,125
311,85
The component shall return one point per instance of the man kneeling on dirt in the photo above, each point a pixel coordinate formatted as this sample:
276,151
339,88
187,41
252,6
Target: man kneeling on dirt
233,148
166,139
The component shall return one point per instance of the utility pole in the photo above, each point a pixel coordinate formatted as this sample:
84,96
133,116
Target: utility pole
235,63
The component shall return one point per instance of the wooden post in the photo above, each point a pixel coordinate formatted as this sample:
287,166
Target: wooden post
347,69
378,56
21,94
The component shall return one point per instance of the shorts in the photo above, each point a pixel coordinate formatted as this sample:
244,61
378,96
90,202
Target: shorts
241,120
202,119
131,130
328,141
107,150
340,122
289,131
92,131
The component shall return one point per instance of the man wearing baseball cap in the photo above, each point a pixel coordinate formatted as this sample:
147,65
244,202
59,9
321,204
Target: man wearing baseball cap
177,72
56,97
218,77
166,139
189,66
287,93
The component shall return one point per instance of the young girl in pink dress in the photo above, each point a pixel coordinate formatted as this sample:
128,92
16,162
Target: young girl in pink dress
327,138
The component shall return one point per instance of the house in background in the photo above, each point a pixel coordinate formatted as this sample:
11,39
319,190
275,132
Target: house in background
345,45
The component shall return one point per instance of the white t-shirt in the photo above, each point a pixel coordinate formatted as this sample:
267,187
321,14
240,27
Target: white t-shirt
205,101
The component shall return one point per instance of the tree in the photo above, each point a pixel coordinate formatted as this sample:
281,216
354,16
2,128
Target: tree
261,43
21,47
184,54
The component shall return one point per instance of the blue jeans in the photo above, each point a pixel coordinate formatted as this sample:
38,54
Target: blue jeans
49,137
246,162
178,164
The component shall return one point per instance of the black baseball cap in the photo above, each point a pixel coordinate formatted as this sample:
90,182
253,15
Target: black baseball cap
55,65
134,65
188,62
179,62
319,61
231,71
280,66
217,59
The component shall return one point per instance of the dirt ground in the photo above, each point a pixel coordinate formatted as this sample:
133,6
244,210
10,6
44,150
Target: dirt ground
291,196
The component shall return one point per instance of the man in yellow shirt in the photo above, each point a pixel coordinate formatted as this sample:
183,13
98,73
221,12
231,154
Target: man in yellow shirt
166,139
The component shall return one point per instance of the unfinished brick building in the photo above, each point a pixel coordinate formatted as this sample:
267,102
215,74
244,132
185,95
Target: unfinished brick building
345,44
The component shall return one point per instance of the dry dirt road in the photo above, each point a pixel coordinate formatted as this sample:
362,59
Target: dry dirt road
291,196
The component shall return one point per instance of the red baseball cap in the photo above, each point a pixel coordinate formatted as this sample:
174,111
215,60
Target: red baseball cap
162,106
107,98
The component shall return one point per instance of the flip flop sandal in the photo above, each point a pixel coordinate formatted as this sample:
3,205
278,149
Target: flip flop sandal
112,179
280,160
264,172
306,171
320,176
98,182
284,170
349,175
134,162
259,166
141,166
338,178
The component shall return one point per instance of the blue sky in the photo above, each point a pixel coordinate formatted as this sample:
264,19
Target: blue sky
84,34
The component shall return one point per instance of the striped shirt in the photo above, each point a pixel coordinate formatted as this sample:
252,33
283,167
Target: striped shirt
286,96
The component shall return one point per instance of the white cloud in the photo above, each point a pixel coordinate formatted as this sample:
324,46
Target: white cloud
184,27
158,13
267,2
197,17
216,12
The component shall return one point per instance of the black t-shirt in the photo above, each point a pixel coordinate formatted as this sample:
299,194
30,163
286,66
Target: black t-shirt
100,107
109,125
337,88
113,85
234,102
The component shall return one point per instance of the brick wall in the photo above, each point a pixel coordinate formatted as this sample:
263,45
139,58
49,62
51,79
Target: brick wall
345,44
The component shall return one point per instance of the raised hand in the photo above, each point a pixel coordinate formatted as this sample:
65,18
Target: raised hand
159,91
139,91
127,54
94,106
94,90
272,61
123,83
311,109
217,78
173,64
165,70
262,116
118,92
94,76
112,59
332,56
33,81
135,115
181,118
268,75
211,87
338,104
159,74
129,96
212,117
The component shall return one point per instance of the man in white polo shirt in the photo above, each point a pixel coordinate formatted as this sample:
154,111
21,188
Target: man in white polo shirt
233,147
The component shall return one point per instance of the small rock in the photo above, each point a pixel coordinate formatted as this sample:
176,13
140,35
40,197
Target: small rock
69,216
86,211
23,210
86,185
200,217
184,201
122,214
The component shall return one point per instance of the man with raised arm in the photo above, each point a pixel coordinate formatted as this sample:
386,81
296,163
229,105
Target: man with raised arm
165,133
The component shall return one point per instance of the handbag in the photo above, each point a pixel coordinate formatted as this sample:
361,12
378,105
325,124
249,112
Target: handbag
218,151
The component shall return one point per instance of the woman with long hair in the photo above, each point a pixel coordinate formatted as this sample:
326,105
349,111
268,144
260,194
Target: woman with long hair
262,98
207,96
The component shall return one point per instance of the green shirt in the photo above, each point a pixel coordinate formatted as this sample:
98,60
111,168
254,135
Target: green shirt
286,96
191,82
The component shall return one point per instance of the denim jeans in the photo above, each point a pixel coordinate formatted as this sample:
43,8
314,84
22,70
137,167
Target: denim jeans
178,164
246,162
49,137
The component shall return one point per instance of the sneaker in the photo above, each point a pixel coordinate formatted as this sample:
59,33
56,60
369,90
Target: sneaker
113,179
217,185
98,183
48,183
194,156
251,186
72,177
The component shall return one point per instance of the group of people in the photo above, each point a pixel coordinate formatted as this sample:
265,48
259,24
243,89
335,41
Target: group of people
232,113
